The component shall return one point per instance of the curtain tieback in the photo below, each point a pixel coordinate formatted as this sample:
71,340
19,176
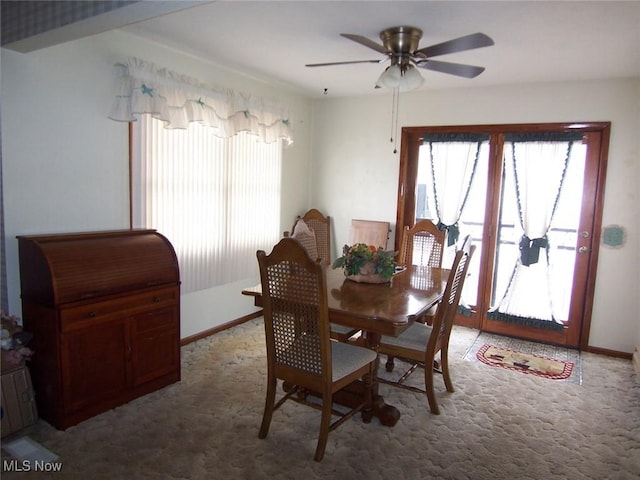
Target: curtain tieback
530,249
453,232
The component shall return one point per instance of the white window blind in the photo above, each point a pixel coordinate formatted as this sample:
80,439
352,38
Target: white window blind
216,199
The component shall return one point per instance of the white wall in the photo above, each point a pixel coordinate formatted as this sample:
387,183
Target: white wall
356,172
65,165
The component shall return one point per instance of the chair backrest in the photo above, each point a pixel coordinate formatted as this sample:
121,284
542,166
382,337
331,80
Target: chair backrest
296,315
422,244
448,307
370,232
466,243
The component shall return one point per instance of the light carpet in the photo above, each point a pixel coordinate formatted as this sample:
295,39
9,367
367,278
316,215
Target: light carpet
497,425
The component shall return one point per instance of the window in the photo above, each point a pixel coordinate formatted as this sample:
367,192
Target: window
217,200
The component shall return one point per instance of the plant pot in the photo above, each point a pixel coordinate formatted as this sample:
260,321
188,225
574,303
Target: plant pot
367,275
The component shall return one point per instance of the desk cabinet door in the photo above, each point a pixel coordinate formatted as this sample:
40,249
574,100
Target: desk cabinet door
155,344
95,363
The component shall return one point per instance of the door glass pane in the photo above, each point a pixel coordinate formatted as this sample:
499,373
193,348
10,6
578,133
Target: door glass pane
563,235
471,220
472,223
423,184
538,288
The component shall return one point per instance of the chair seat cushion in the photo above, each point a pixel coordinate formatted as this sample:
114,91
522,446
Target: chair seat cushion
346,358
413,338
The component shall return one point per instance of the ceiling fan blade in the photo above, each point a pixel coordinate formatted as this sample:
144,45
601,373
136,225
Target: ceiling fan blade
343,63
366,42
468,42
467,71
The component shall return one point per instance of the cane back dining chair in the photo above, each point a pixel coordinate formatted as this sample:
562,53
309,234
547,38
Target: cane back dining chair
313,231
421,244
420,343
299,349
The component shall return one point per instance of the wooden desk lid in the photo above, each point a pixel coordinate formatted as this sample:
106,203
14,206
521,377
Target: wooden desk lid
57,269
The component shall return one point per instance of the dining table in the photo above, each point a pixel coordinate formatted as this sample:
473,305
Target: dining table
377,309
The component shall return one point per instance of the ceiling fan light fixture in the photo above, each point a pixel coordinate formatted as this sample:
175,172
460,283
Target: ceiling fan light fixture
390,78
394,77
410,79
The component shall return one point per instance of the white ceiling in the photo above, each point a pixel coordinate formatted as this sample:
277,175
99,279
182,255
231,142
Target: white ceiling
535,41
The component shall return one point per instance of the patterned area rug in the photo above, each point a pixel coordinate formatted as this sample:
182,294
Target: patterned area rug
524,362
561,354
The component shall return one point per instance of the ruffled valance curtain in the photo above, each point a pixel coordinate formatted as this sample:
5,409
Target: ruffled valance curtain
178,100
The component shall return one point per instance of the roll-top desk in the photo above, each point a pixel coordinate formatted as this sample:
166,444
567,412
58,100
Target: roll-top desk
104,310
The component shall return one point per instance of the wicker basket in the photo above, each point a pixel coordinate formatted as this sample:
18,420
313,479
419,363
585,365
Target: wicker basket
367,275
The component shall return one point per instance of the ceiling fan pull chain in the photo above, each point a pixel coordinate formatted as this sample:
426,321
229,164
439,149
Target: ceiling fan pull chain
393,112
394,118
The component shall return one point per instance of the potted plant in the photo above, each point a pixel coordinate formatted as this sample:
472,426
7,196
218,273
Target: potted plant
366,263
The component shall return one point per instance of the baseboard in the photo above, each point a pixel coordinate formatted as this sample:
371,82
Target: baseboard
609,353
219,328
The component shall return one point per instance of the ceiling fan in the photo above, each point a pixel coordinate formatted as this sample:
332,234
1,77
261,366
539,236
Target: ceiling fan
400,46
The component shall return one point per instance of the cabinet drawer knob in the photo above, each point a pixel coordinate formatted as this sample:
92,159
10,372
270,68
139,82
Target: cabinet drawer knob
156,299
92,314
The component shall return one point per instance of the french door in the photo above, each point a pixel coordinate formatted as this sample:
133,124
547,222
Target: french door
530,196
